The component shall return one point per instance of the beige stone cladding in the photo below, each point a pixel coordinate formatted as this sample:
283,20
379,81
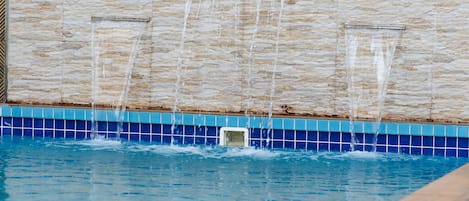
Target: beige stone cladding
221,69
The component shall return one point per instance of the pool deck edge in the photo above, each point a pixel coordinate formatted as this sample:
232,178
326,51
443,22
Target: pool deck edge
451,187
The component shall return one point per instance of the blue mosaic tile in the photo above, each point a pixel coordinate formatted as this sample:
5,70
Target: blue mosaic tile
334,137
243,122
358,127
416,140
189,140
6,111
334,126
222,121
49,123
427,130
346,147
311,125
69,114
392,149
323,125
289,145
166,129
210,120
382,139
200,131
380,148
80,125
463,142
300,145
427,151
155,118
323,146
28,132
450,131
312,135
232,121
70,124
6,131
392,128
359,137
145,138
324,136
404,150
450,152
278,135
416,129
156,128
345,126
428,141
404,129
451,142
439,152
189,130
166,118
79,114
416,151
368,148
440,141
27,112
214,141
134,137
212,131
17,122
370,138
439,130
112,126
404,139
371,127
38,133
145,128
277,144
301,135
134,117
288,124
346,137
312,146
199,140
463,131
300,124
38,123
16,112
289,135
156,138
463,153
80,135
334,147
393,140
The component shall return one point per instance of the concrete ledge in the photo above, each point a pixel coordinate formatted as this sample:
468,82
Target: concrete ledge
453,186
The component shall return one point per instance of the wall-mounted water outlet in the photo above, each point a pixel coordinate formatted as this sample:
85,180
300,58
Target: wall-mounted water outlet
234,137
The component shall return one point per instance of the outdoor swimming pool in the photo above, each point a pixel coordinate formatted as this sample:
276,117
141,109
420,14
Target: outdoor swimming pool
64,169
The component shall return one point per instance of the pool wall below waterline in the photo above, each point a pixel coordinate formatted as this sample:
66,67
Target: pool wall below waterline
204,129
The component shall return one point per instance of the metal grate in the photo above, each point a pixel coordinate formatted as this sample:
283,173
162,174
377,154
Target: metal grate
3,50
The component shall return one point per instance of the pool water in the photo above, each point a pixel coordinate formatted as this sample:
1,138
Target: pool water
51,169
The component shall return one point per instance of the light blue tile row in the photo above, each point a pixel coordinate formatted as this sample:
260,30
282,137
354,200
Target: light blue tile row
238,121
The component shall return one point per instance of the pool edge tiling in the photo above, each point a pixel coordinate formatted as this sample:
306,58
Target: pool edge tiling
286,133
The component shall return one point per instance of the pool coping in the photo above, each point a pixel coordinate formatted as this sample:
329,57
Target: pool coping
452,186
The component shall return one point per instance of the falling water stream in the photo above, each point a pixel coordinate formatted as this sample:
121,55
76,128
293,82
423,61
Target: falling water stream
382,45
187,10
102,67
252,61
272,91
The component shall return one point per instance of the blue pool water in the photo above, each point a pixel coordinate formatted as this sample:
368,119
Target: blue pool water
52,169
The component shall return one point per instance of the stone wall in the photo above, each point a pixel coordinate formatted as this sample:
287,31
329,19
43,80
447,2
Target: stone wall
49,58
